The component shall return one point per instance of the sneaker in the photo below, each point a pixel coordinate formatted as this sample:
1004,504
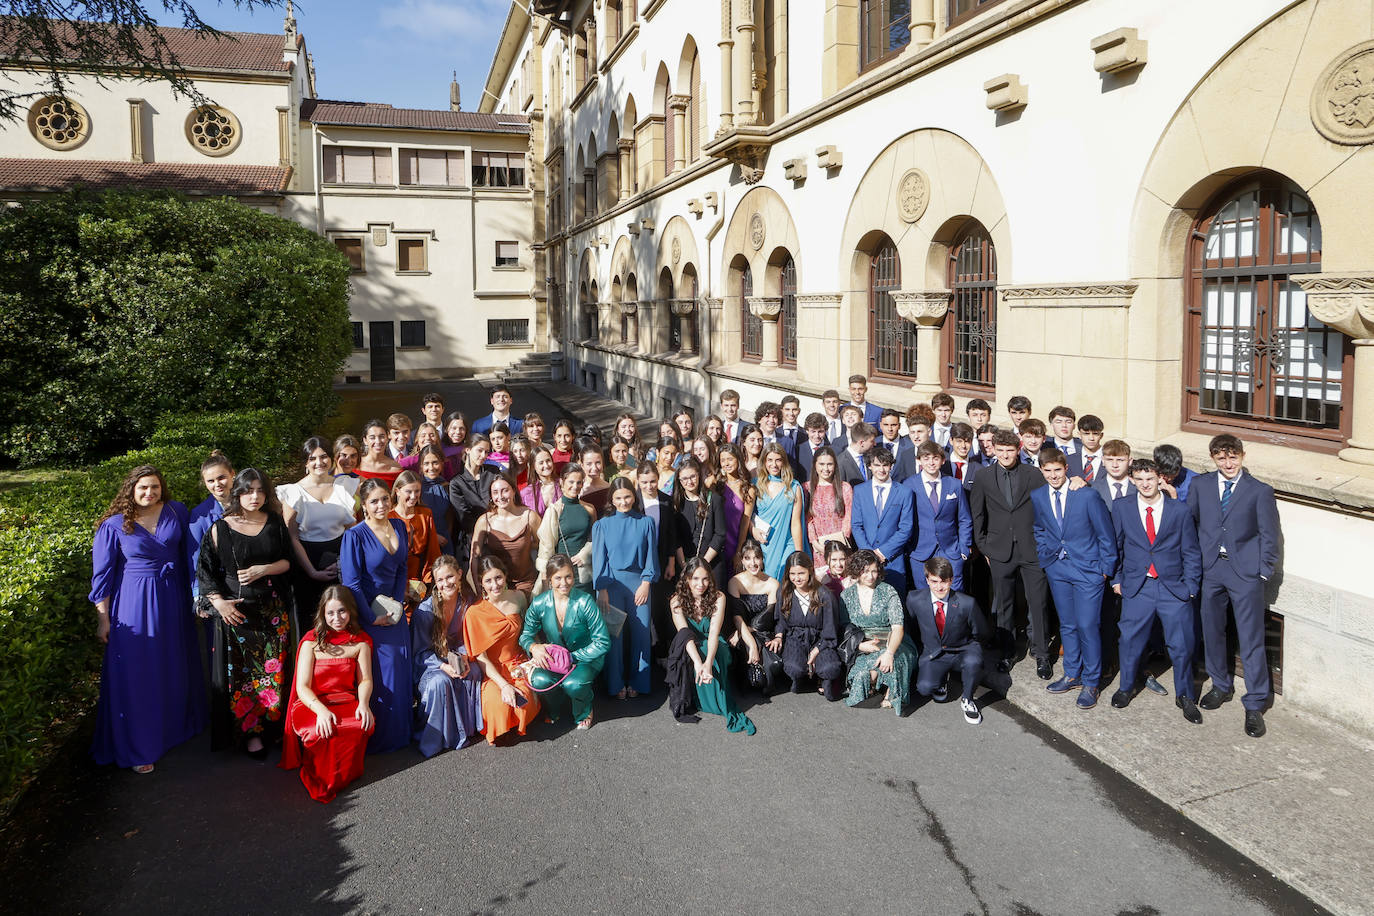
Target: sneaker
1087,697
971,714
941,694
1064,685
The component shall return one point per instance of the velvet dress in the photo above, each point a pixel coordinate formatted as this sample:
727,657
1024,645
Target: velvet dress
449,714
624,555
152,695
367,571
327,765
487,629
732,507
808,624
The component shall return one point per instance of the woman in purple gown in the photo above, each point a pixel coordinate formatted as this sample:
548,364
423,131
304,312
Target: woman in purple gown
448,684
372,562
151,693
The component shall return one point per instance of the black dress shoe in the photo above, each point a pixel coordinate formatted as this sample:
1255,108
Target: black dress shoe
1121,699
1254,723
1214,698
1044,668
1190,710
1004,666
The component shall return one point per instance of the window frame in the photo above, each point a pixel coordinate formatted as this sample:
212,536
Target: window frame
410,324
402,240
340,181
866,64
979,7
787,316
983,288
449,154
907,329
514,265
751,325
362,251
358,329
484,170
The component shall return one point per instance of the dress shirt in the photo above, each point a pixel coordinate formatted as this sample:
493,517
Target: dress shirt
859,460
833,428
892,445
1221,485
1118,488
941,434
1157,504
731,430
880,495
1063,500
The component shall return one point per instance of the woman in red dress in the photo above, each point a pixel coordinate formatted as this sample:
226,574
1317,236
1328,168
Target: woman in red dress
328,722
376,462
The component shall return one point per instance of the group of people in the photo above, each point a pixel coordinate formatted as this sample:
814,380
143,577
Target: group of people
438,583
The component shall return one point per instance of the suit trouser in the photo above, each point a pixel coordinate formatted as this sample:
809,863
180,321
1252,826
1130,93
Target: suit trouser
1220,583
1004,604
1138,614
932,669
1078,599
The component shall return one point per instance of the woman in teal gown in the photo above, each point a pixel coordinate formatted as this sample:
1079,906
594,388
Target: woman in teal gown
699,656
778,512
571,619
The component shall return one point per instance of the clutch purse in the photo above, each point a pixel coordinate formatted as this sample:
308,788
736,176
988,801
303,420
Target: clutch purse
385,606
615,619
760,530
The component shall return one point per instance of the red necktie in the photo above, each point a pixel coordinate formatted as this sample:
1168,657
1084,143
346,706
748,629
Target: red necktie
1088,470
940,617
958,470
1150,534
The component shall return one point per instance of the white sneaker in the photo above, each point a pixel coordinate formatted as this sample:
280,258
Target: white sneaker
971,714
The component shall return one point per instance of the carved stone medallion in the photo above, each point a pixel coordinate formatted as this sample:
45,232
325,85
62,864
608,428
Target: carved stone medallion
677,251
1343,99
913,195
756,231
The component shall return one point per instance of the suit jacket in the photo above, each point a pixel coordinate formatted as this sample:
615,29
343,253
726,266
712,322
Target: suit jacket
1175,554
1084,547
484,424
739,425
1075,462
1102,483
806,456
836,426
1004,532
965,625
872,413
1248,531
787,445
583,633
1074,447
947,532
1032,460
849,469
972,466
667,529
888,532
796,436
906,466
903,444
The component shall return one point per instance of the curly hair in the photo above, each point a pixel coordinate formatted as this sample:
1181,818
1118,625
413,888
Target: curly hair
123,504
859,561
686,602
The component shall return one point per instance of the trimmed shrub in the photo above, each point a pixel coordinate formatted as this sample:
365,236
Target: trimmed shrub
117,308
47,627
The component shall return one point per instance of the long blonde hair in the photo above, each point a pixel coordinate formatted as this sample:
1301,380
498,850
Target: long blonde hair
761,475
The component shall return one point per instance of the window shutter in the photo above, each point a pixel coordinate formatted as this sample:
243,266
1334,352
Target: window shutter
333,161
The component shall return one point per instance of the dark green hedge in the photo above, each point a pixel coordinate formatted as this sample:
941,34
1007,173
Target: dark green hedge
119,307
49,657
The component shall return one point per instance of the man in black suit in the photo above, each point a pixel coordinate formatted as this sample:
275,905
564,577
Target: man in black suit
853,467
951,627
1003,529
658,506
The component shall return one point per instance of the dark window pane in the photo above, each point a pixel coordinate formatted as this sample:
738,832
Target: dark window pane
412,333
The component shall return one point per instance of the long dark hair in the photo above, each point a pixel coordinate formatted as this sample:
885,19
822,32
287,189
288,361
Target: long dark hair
836,483
786,589
515,499
438,631
620,483
703,492
344,596
485,565
368,486
686,602
123,503
448,419
426,452
245,479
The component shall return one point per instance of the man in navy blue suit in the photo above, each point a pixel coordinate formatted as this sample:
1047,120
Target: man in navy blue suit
1114,481
1238,529
959,461
1158,573
1060,432
768,416
883,517
1076,545
858,393
1086,463
501,402
790,429
814,440
952,628
853,463
944,526
890,433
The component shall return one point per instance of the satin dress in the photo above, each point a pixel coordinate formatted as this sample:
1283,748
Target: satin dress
367,570
487,629
449,711
777,512
327,765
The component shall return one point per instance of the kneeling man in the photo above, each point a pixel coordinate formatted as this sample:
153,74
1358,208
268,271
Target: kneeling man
952,627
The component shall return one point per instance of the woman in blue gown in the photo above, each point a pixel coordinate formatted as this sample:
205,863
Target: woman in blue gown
151,693
778,511
624,563
372,562
448,685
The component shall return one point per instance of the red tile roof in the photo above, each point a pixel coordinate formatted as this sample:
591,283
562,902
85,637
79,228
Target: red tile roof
372,114
237,51
191,177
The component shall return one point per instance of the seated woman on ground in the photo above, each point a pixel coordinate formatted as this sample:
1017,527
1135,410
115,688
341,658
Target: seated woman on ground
568,619
887,657
806,634
448,686
699,658
491,631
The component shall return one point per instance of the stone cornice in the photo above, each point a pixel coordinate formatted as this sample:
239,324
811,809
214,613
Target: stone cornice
927,307
1070,295
1344,301
766,307
821,300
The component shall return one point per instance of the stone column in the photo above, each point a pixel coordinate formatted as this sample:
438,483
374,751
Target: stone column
590,203
1346,302
625,147
727,85
631,309
922,23
591,46
745,113
681,140
685,310
768,309
926,309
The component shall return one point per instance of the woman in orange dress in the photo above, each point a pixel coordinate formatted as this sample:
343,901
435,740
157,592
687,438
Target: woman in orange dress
421,535
491,630
376,462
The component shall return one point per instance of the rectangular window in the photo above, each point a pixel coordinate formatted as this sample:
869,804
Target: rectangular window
507,254
356,165
357,334
665,408
412,333
508,331
410,256
959,10
353,250
433,168
498,170
884,29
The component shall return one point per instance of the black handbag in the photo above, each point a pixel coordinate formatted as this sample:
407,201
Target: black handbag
849,644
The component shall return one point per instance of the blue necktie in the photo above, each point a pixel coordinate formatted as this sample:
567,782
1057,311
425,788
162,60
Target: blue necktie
1059,508
935,495
1226,495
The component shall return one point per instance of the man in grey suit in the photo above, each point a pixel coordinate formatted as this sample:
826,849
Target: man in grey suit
1114,480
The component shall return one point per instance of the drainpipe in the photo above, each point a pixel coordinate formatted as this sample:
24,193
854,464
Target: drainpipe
706,340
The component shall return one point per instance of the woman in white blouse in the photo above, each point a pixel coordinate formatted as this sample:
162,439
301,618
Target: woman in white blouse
318,509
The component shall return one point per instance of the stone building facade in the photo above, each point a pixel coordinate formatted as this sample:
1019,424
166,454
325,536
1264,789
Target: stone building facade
1151,212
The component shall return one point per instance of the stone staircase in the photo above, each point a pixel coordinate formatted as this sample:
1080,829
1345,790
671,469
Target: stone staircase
533,369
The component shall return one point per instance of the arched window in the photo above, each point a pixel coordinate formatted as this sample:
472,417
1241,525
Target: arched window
751,326
690,324
1256,358
971,335
696,107
629,324
891,338
592,314
787,318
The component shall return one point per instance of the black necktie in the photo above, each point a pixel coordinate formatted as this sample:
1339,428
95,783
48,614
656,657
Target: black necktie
1006,484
